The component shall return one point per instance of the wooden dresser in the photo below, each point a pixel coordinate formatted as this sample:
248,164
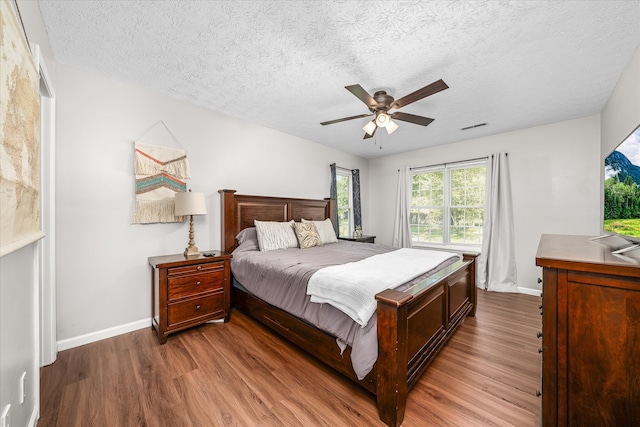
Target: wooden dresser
590,333
189,291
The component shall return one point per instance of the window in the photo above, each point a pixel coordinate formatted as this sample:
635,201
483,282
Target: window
447,204
345,204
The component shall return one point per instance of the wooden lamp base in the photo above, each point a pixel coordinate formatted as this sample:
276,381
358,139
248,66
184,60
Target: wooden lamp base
192,249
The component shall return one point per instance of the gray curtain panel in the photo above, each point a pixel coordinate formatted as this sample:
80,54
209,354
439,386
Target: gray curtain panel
401,227
497,262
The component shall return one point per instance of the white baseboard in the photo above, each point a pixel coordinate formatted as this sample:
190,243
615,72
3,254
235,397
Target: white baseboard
530,291
103,334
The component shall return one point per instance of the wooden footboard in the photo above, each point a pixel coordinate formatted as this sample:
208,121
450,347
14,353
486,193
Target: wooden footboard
412,328
413,325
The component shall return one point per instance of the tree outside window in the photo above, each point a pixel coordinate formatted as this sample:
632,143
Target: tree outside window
345,208
447,205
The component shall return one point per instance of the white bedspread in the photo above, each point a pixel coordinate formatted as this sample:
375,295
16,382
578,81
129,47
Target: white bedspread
352,287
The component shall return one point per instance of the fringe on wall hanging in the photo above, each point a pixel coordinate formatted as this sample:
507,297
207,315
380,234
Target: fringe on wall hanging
160,173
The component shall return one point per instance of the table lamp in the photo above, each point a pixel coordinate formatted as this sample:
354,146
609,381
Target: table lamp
190,204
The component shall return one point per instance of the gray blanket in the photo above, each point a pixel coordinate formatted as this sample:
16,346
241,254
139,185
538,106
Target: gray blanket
280,278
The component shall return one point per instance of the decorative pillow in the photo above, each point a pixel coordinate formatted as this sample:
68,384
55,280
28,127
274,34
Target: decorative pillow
248,233
325,230
307,234
274,235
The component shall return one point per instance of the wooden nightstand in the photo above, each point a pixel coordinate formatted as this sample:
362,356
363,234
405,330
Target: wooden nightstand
189,291
363,239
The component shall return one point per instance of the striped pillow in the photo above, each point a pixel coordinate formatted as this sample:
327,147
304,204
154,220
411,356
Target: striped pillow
274,235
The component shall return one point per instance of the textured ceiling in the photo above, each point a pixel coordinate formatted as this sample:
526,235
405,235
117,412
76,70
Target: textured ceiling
284,64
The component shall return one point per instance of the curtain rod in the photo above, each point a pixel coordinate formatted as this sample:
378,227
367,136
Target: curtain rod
453,163
343,169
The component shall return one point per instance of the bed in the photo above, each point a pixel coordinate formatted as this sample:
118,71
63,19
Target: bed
412,325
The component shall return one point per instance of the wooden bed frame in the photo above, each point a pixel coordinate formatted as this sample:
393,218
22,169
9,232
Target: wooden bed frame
413,325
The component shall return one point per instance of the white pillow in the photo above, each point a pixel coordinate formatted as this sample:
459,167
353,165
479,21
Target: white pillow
275,235
325,230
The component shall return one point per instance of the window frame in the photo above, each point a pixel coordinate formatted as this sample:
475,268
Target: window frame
446,198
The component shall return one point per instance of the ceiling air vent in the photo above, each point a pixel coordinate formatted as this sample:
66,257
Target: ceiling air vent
474,126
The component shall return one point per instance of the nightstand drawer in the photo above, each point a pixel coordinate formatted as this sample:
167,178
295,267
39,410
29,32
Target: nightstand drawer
193,284
190,310
195,269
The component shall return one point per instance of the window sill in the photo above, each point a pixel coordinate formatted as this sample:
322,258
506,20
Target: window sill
453,248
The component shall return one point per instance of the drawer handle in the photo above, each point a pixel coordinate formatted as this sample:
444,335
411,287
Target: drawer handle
198,307
538,393
539,350
198,283
539,334
199,267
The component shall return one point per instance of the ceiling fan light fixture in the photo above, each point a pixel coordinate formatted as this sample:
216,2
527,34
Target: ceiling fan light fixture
391,127
382,119
370,127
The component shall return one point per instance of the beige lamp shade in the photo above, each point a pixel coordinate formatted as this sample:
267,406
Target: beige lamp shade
190,203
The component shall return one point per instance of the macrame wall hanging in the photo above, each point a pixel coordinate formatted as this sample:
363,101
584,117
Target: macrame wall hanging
160,173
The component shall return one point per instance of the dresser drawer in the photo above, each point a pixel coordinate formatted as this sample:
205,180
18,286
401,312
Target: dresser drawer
193,309
181,286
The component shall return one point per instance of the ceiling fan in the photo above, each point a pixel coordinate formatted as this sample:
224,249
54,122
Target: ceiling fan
381,103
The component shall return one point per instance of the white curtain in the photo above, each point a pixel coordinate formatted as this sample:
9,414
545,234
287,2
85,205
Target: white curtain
497,261
401,231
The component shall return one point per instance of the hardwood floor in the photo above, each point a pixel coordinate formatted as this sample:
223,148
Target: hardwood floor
240,374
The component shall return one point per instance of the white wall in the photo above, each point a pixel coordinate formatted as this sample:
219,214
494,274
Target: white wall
103,274
621,113
555,182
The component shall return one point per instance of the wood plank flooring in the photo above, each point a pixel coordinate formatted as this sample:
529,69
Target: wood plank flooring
240,374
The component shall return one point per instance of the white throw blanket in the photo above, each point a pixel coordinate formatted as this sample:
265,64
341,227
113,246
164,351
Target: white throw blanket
352,287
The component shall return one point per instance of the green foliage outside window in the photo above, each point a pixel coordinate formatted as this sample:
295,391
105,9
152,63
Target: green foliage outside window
456,194
426,217
344,208
622,206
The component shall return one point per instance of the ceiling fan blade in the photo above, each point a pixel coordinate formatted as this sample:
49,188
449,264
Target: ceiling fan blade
367,136
434,87
330,122
362,95
411,118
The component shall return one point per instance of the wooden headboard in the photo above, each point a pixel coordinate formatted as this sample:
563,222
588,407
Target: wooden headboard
238,211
